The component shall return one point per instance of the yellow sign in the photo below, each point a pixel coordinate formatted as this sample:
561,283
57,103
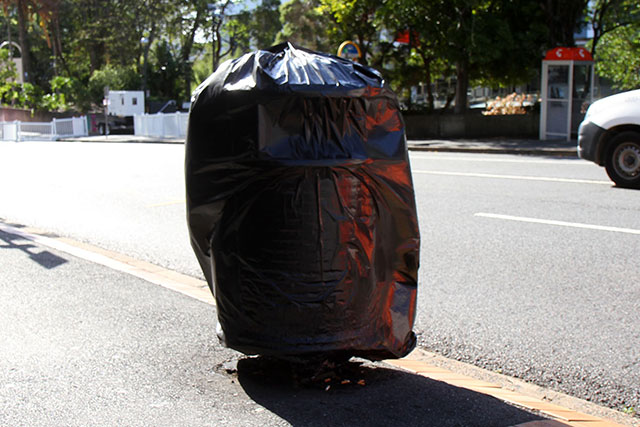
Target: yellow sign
349,50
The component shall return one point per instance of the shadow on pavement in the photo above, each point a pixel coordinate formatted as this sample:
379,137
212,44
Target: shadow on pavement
371,396
44,258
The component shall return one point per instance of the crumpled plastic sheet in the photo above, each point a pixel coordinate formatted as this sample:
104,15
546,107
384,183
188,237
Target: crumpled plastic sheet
301,208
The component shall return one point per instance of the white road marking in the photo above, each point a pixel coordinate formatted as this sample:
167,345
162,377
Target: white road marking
515,177
558,223
495,159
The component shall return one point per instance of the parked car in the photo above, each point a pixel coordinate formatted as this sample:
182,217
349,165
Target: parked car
609,135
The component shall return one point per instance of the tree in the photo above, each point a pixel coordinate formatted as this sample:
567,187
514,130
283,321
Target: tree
619,57
305,25
219,14
47,11
608,15
421,23
563,18
189,18
492,41
354,20
265,24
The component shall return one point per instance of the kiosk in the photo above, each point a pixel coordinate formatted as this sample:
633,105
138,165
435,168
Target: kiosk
566,91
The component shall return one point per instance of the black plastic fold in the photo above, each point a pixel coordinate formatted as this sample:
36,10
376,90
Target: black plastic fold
301,207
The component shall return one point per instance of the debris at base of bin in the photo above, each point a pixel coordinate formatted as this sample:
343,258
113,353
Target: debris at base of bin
301,208
323,375
230,366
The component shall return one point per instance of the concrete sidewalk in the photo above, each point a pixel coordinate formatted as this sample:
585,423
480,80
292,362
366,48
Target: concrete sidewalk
485,145
498,146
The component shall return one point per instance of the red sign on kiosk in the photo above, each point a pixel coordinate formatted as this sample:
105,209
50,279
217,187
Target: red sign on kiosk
568,54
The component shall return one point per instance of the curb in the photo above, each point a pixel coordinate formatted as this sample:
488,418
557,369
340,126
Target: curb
491,150
478,148
123,139
511,391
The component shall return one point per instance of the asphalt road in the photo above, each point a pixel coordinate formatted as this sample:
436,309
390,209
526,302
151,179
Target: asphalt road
520,274
82,344
85,345
501,284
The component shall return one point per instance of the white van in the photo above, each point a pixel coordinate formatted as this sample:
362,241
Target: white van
609,135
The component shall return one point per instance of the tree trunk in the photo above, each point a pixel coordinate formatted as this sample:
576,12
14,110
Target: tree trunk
146,48
187,46
363,50
430,101
217,47
24,41
57,43
462,85
426,60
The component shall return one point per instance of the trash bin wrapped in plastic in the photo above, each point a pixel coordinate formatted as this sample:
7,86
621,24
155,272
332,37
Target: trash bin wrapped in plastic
301,207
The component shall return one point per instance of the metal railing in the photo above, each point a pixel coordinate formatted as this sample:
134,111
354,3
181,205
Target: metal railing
47,131
173,125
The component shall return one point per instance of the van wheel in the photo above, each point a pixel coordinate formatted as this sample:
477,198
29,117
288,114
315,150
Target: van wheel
623,160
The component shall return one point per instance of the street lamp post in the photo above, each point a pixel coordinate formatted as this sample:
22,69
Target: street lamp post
144,41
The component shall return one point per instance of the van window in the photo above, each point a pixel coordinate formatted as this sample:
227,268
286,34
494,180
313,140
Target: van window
134,101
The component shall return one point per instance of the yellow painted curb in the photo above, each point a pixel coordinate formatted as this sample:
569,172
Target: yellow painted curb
564,416
190,286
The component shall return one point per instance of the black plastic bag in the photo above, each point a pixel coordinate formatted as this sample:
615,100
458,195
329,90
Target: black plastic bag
301,207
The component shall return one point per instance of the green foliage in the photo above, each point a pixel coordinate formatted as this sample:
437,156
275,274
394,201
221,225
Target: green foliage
117,78
509,38
355,20
562,19
7,67
76,47
166,75
265,23
304,24
488,42
201,70
28,95
608,15
619,57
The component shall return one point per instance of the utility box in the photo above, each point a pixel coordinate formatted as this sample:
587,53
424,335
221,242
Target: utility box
122,106
566,91
126,102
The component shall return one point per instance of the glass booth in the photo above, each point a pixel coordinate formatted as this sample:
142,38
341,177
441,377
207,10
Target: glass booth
566,91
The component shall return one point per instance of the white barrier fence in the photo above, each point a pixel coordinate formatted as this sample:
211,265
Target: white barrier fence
48,131
173,125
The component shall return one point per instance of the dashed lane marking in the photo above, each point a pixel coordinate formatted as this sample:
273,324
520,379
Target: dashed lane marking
494,159
514,177
559,223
